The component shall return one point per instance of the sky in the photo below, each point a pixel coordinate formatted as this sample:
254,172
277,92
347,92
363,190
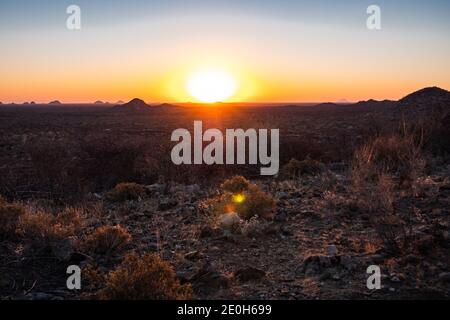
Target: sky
277,51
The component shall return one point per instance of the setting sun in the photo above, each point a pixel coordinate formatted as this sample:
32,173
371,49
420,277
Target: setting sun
211,86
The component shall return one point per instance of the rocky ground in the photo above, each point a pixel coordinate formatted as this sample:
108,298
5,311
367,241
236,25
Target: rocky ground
314,247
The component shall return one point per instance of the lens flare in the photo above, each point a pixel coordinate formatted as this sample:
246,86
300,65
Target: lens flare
238,198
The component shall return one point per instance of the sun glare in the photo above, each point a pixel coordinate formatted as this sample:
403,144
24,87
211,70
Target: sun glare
211,86
238,198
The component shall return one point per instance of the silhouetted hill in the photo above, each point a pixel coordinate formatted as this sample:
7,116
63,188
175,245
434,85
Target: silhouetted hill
327,105
376,103
134,105
432,97
166,105
55,102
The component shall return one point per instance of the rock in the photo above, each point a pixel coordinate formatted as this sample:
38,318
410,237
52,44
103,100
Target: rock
248,274
280,216
286,232
425,244
444,277
332,250
282,195
167,204
348,262
229,221
64,249
316,264
375,259
412,258
39,296
155,188
207,232
208,279
193,255
193,189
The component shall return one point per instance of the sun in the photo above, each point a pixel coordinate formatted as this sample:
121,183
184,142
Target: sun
210,86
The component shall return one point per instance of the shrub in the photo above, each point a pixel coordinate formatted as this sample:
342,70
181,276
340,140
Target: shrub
45,227
256,203
93,277
146,278
245,198
396,154
295,168
253,227
377,201
10,214
236,184
107,240
125,192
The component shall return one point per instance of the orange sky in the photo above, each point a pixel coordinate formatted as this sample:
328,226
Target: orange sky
272,59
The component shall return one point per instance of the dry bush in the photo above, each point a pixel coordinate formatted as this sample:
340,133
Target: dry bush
375,167
125,192
253,227
256,203
45,227
334,202
93,277
107,240
295,168
144,278
395,154
377,201
252,201
235,184
10,214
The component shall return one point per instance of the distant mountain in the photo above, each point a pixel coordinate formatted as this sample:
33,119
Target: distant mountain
120,102
134,105
327,105
431,97
376,103
98,102
32,102
166,105
55,102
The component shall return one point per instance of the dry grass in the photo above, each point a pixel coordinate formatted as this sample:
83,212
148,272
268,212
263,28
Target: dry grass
397,155
380,170
44,227
10,214
295,168
125,192
107,240
144,278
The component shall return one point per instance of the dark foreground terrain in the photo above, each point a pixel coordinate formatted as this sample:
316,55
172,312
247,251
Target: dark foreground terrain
94,186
